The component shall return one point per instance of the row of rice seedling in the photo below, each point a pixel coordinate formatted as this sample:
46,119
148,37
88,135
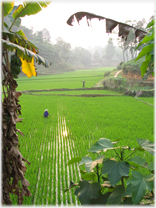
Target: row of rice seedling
78,92
67,80
108,117
74,124
48,151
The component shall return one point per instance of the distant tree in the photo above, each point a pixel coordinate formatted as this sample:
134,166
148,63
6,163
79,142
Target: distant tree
80,56
96,56
63,49
39,36
46,35
128,45
110,50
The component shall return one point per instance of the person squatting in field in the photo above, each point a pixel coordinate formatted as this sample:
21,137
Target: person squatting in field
46,114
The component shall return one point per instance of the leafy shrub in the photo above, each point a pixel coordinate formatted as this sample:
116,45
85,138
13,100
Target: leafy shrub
106,74
147,51
119,67
132,66
114,181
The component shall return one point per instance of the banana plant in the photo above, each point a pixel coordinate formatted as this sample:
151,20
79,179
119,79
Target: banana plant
147,51
13,163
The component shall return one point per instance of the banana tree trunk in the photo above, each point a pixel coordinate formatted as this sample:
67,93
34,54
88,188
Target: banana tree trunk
13,166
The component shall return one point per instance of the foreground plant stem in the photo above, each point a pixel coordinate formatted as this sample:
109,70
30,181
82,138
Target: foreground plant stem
131,153
97,167
122,183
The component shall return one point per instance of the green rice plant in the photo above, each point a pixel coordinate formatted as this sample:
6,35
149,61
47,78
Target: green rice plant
147,99
77,92
86,120
66,80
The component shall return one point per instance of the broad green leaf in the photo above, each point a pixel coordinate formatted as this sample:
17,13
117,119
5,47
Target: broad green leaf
115,170
28,68
74,160
116,196
7,7
24,53
146,39
16,22
152,52
101,199
127,201
90,164
10,35
20,32
139,185
5,24
136,161
29,8
147,74
102,144
149,57
151,166
87,191
128,191
144,67
145,165
85,160
151,23
147,145
147,49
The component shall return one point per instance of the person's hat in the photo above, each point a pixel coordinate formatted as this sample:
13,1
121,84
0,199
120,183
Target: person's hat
46,109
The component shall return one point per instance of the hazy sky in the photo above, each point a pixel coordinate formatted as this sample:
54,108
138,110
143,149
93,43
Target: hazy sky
54,18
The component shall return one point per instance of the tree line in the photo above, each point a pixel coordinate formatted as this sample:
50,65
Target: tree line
65,58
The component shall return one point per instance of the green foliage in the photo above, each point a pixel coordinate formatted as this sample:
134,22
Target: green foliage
147,145
121,175
106,74
115,170
119,67
86,119
7,7
132,66
147,51
17,40
101,144
87,191
139,184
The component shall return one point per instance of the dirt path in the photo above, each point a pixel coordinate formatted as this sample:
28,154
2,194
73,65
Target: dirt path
99,84
117,73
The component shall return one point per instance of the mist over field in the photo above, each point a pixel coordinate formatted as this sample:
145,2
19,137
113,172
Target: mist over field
78,103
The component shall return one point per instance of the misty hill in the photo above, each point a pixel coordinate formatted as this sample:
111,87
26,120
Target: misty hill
64,58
